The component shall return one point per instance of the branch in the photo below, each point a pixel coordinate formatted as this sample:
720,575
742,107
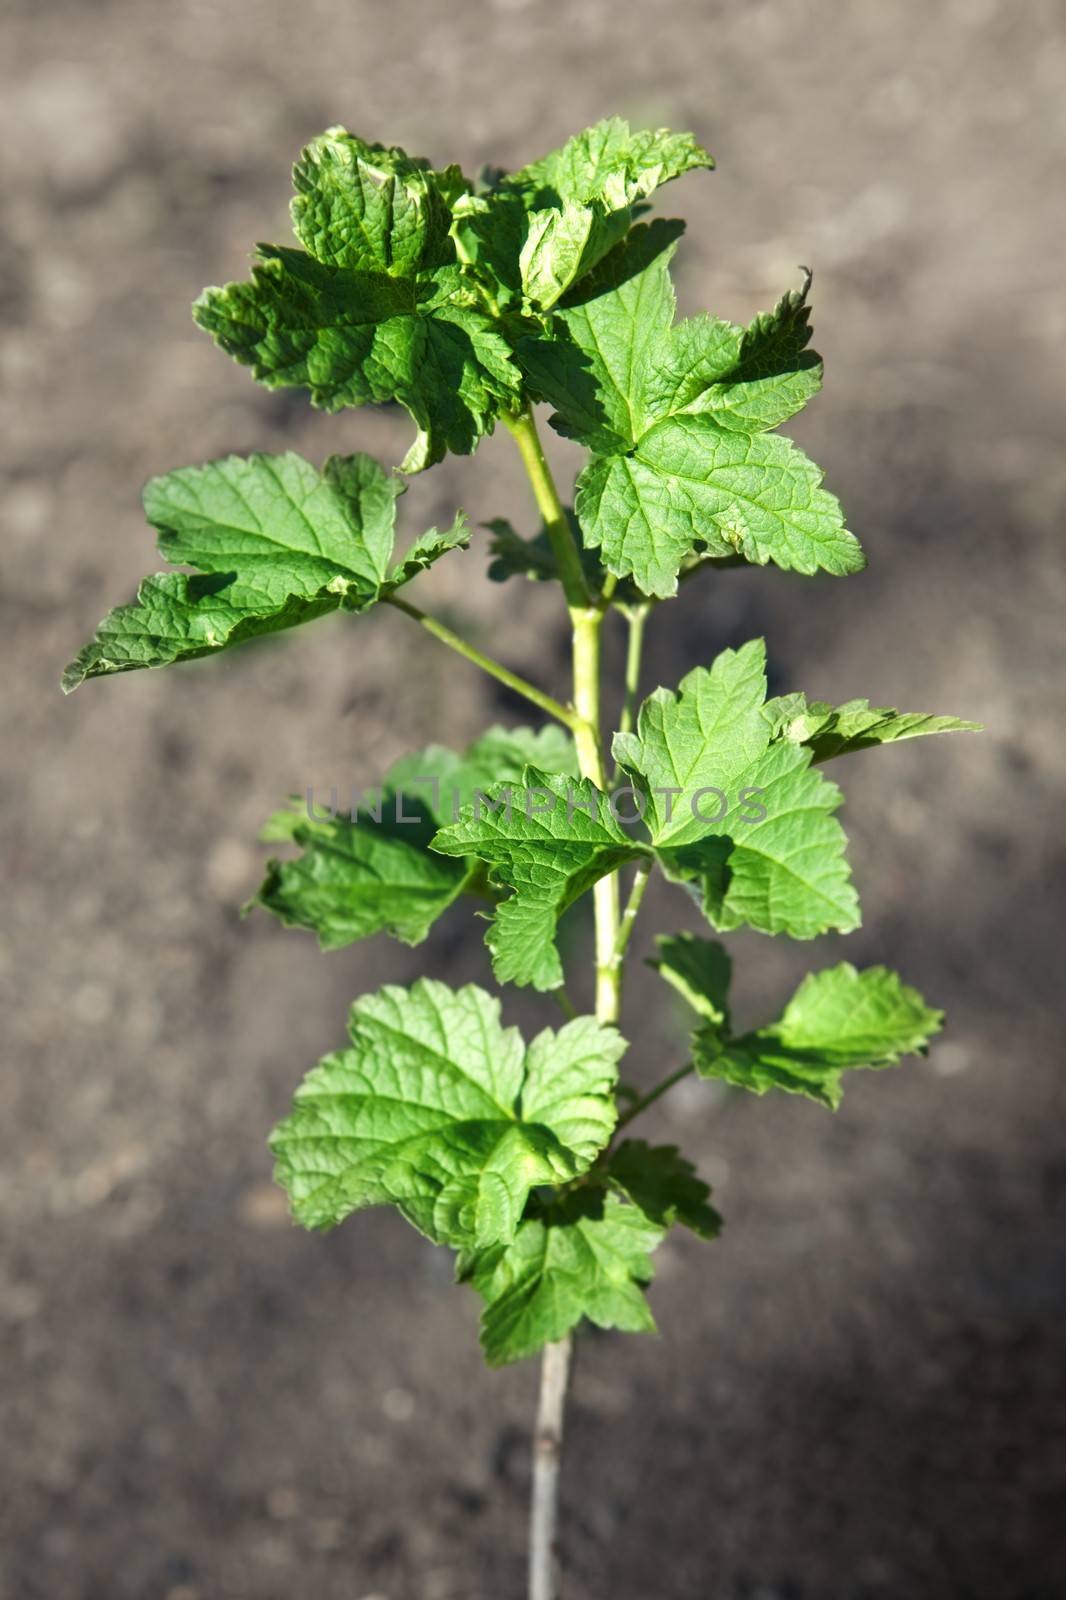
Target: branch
495,669
629,915
586,618
653,1094
636,616
547,1455
556,523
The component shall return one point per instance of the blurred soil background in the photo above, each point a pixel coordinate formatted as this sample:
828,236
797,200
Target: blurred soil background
858,1393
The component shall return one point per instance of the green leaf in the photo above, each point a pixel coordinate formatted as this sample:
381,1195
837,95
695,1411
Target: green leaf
437,1109
700,970
276,543
375,873
837,731
597,364
692,483
584,1255
516,557
499,756
532,235
368,208
837,1019
376,308
775,374
664,1186
561,245
708,733
609,162
358,878
427,549
675,416
784,874
177,618
489,232
548,840
745,818
792,716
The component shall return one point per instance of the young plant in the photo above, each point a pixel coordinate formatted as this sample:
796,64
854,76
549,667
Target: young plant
467,303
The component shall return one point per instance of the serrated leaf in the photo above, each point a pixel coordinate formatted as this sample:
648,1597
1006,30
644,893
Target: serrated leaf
664,1186
437,1109
587,1255
516,557
774,375
691,483
793,716
700,970
500,755
611,163
276,543
562,244
489,232
368,207
838,731
375,872
427,549
675,416
354,879
745,818
177,618
785,873
376,308
837,1020
596,366
548,840
532,235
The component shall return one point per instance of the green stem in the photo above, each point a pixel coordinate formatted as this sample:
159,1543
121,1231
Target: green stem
629,915
653,1094
587,623
529,691
711,563
636,616
565,1004
556,523
586,619
586,616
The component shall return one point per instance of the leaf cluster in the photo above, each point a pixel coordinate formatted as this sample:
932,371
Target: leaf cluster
467,302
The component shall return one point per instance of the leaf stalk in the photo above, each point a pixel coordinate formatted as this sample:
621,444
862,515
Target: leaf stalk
567,715
653,1094
523,429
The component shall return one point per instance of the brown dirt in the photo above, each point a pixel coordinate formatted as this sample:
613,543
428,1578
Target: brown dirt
858,1393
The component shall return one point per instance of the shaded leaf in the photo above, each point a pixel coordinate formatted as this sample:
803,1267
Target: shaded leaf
837,1020
587,1255
664,1186
700,970
374,872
